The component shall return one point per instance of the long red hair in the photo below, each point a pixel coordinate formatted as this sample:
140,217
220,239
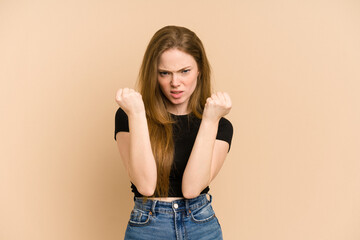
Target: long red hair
159,120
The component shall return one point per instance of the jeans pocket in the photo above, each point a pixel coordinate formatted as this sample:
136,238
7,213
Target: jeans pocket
139,218
203,214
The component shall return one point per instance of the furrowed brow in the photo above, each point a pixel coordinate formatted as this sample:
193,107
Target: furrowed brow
164,70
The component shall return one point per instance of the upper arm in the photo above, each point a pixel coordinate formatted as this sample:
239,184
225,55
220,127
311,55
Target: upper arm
122,135
218,157
221,147
123,143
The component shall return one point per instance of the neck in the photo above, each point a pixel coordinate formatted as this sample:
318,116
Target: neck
178,110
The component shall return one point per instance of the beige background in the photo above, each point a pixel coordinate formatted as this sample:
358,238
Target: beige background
291,68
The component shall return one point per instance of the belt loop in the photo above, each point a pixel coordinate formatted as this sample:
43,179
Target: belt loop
187,207
210,197
153,206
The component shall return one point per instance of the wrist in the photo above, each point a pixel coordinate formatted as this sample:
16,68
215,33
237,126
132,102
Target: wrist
210,122
136,114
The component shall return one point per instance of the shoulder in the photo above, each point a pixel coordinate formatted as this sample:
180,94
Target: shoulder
121,122
224,123
225,131
120,113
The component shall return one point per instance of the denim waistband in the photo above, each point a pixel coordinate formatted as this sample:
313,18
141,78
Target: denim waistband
156,206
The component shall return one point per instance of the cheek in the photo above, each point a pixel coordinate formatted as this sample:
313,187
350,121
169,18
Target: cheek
163,87
161,83
192,82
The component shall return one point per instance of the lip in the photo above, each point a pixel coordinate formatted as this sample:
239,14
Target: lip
176,94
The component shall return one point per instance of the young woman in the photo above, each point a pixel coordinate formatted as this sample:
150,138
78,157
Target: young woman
173,139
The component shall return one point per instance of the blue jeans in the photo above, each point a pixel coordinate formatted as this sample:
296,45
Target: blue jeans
191,219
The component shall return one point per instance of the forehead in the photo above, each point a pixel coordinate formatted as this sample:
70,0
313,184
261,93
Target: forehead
174,59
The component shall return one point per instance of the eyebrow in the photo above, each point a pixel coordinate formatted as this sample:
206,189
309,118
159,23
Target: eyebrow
175,71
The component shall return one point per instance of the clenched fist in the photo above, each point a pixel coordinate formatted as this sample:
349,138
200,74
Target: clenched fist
217,106
130,101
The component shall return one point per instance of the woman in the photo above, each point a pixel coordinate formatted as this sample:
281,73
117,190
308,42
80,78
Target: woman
173,139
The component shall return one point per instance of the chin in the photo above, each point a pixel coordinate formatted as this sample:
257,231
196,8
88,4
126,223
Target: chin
177,101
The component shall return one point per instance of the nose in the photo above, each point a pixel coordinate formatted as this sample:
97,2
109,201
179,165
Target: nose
175,81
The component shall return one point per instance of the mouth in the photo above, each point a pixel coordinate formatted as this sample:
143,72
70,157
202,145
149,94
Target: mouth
176,94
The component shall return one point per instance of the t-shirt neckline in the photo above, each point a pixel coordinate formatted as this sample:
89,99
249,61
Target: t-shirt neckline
181,115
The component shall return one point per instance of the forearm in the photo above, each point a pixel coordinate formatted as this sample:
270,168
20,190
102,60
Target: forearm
197,174
142,165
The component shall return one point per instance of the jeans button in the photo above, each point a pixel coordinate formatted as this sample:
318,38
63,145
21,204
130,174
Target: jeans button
176,205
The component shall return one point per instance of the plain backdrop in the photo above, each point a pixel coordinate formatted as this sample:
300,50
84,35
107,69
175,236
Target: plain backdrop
290,67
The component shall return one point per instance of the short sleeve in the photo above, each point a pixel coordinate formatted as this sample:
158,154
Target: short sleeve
225,131
121,122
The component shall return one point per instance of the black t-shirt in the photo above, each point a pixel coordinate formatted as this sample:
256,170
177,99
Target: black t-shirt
184,132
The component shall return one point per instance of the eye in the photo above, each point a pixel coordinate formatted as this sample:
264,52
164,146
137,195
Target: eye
186,71
163,73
